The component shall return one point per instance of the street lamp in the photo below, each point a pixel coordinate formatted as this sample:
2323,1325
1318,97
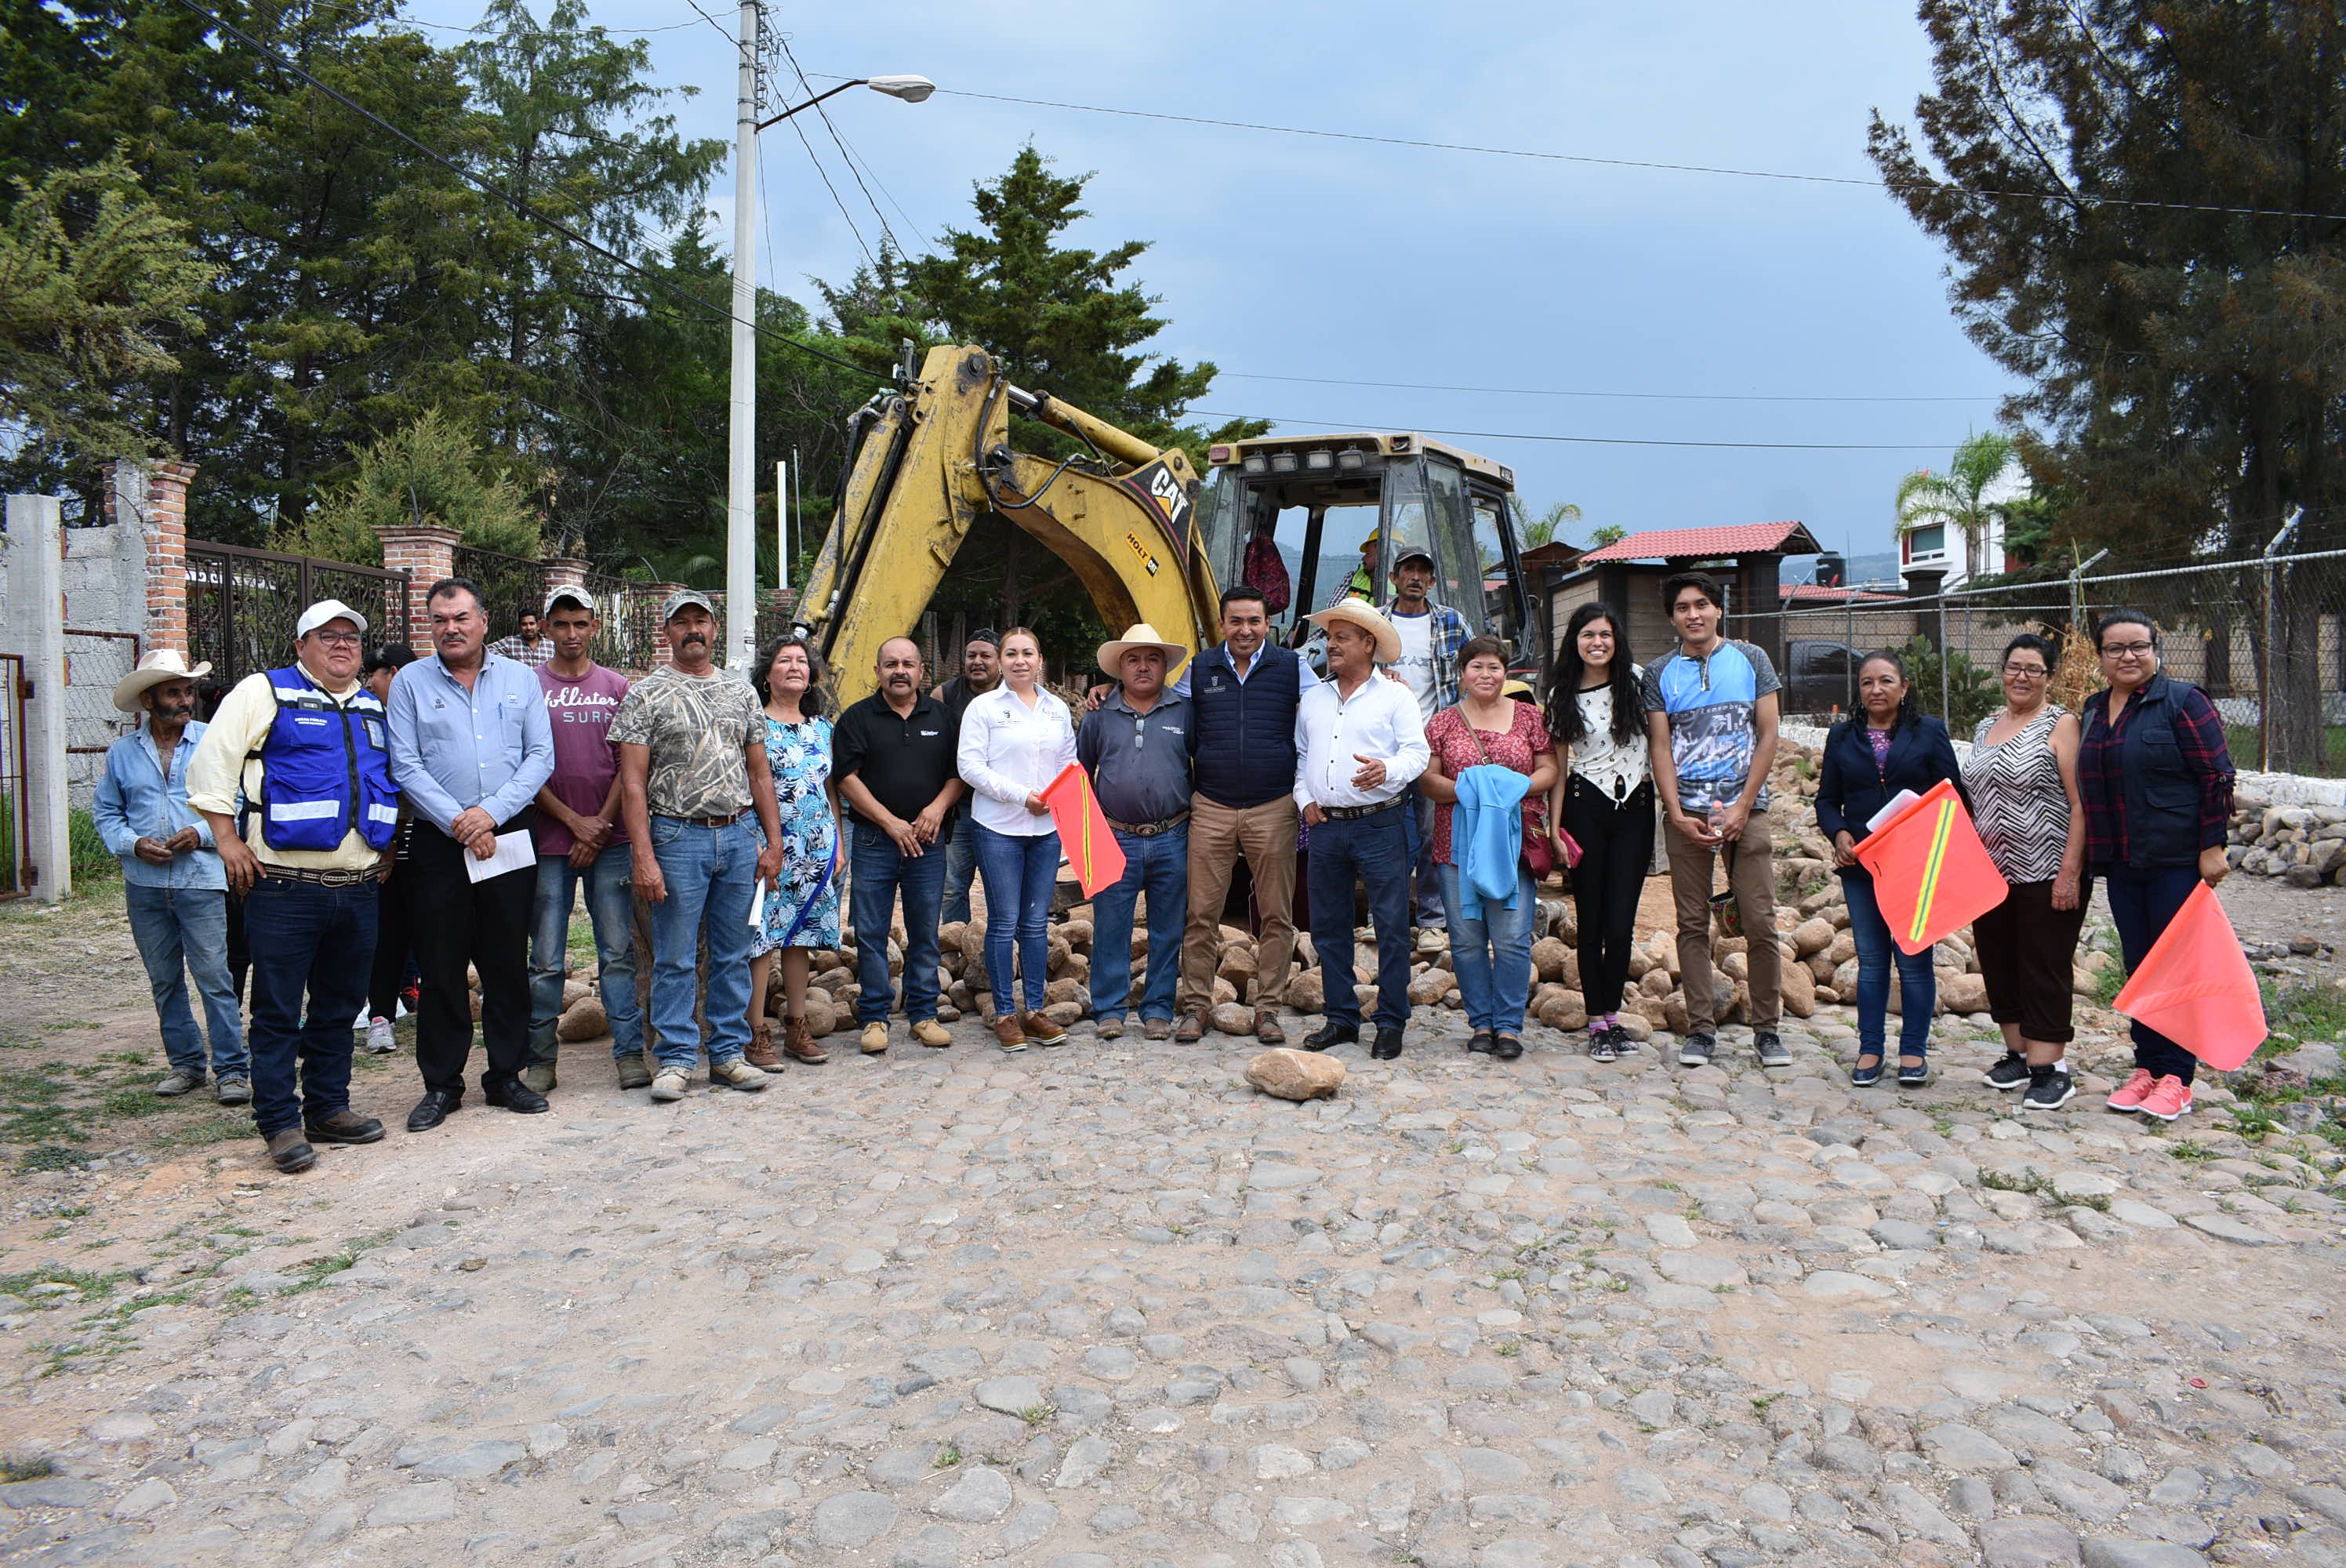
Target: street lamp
741,468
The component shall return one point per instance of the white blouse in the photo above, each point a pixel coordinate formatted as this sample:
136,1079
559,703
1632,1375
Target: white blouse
1009,751
1613,767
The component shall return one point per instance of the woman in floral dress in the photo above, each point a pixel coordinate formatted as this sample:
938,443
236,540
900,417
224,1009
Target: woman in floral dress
802,909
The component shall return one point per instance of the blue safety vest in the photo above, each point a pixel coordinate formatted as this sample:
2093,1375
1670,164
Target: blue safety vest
325,768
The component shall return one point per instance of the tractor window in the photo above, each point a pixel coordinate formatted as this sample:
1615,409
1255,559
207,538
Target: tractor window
1458,570
1499,597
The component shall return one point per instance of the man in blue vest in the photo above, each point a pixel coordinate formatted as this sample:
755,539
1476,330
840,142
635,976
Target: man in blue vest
308,749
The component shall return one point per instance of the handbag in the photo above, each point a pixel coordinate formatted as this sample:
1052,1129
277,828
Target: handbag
1538,855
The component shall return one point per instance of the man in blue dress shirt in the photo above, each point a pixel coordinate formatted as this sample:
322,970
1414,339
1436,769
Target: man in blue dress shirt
470,746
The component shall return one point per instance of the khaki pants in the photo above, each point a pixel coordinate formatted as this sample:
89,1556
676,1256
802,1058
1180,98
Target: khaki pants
1753,883
1265,835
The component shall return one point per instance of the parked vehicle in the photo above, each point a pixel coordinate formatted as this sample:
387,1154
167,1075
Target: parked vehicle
1819,677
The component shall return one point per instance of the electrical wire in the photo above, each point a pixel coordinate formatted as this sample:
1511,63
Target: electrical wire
519,206
887,235
1599,440
1658,397
713,22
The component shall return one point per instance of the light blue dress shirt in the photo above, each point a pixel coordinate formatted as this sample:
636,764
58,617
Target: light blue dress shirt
452,749
142,795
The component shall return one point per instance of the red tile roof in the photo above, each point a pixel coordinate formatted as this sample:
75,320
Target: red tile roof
1810,593
1740,539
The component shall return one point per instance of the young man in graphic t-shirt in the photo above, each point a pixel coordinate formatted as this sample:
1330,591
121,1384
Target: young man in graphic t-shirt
1430,636
579,836
1711,709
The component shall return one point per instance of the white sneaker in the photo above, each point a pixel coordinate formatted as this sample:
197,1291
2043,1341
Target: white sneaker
379,1039
668,1085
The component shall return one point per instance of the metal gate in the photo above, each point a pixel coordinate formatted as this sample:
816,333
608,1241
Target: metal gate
15,864
242,604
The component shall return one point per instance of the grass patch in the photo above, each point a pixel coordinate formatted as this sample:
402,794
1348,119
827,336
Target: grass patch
947,1457
212,1130
93,1287
15,1469
1036,1415
2193,1153
316,1271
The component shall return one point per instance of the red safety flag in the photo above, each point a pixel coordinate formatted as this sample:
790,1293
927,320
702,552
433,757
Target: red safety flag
1932,875
2195,986
1093,853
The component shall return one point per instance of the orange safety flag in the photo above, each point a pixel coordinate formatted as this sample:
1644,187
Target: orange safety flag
2195,986
1093,853
1932,875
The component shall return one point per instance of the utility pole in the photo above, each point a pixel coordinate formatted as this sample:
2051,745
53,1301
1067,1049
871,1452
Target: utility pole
741,467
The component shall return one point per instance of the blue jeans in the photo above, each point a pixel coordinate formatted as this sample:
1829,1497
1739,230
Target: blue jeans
711,873
1493,954
1020,872
1158,865
610,904
1427,906
180,932
879,869
320,942
961,867
1373,851
2143,900
1918,988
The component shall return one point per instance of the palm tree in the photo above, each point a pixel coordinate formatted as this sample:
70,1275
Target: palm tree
1956,498
1550,523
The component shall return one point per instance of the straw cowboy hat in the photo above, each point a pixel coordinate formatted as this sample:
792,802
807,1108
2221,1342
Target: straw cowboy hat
1363,615
154,669
1141,635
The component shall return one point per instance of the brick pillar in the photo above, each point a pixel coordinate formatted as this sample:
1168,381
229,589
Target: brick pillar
567,572
426,553
658,594
165,530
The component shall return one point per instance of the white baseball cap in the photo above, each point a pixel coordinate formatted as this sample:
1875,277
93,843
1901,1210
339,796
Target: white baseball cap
325,610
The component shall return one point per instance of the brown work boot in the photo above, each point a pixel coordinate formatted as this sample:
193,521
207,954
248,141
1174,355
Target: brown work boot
1042,1030
291,1152
1267,1029
1007,1032
760,1052
799,1043
1192,1029
1157,1029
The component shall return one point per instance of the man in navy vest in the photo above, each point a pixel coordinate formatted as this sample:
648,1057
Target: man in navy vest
1243,694
307,749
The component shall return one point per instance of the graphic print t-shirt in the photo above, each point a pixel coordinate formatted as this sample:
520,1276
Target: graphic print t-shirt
583,760
1713,704
1416,665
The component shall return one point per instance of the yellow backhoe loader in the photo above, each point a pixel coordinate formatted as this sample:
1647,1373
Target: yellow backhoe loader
1149,542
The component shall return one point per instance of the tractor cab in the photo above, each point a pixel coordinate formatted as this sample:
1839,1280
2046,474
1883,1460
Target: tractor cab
1311,519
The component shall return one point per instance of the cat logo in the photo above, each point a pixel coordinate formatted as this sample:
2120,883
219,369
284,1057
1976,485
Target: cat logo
1140,552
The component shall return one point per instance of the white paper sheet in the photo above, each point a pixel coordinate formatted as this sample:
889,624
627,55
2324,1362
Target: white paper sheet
514,851
758,904
1898,802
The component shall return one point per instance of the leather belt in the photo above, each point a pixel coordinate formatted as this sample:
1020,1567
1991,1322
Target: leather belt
1354,813
1150,829
316,879
710,821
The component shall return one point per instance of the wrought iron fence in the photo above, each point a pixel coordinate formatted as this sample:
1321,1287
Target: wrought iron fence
94,662
16,850
624,638
243,604
511,587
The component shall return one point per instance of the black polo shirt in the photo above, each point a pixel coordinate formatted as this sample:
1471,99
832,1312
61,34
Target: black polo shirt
904,762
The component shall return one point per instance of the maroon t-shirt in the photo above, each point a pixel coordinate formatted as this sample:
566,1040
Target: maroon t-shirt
584,761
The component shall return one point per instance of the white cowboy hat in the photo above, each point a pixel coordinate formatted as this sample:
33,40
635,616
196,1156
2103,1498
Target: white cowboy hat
154,669
1140,635
1362,614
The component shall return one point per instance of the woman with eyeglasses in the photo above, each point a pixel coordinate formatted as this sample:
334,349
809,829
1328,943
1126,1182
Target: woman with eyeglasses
2023,778
2155,780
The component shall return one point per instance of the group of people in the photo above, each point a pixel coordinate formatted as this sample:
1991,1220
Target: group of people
396,824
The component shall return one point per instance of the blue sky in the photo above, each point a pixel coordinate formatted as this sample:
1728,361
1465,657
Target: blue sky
1295,257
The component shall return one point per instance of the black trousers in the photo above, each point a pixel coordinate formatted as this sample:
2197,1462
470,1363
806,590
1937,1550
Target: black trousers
2026,950
458,922
392,946
1616,845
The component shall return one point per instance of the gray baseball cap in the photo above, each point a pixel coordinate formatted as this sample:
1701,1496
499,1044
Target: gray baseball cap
680,598
571,594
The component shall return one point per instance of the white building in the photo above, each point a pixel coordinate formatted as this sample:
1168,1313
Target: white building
1937,545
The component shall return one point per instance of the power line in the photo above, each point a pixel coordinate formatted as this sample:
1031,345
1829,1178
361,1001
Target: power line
523,208
1599,440
886,234
2073,198
1547,391
712,22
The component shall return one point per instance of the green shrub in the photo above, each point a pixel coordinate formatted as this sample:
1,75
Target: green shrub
92,860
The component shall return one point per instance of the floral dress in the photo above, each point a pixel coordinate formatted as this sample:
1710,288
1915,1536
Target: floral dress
800,756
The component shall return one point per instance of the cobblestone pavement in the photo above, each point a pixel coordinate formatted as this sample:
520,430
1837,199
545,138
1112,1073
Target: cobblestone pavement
1103,1305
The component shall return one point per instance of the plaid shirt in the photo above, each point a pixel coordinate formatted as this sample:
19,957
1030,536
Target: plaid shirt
1445,636
2101,766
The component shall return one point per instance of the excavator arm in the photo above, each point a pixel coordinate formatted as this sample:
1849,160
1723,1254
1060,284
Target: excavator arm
931,459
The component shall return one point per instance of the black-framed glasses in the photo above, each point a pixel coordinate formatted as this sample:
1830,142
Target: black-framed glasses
2121,650
2027,671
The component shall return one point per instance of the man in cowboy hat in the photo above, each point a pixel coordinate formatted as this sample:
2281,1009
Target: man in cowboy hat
307,749
1360,744
1135,746
172,881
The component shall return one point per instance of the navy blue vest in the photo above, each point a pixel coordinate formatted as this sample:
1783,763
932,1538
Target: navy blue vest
1242,735
2162,793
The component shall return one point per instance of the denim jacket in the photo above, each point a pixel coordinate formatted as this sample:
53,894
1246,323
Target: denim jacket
142,796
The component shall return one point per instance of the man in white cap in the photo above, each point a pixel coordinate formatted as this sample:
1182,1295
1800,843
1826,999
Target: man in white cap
1135,746
307,749
470,745
1431,633
172,883
1360,743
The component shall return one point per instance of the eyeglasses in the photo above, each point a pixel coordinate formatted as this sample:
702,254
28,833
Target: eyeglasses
2027,671
338,639
2125,650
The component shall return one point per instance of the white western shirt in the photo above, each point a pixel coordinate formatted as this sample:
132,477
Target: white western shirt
1009,751
1379,720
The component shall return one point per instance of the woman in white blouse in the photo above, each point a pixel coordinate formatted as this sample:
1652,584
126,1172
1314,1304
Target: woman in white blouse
1014,739
1604,799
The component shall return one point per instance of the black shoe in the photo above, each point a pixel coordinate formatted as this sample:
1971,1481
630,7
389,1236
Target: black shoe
1694,1050
2049,1093
1771,1050
515,1096
1913,1074
1600,1045
1328,1034
1388,1046
436,1106
2012,1073
1481,1041
344,1127
1862,1076
1506,1047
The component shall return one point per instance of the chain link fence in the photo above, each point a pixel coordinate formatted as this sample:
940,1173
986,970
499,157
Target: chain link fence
95,661
2264,637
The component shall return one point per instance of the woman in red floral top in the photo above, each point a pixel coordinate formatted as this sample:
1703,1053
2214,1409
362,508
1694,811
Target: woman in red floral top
1491,950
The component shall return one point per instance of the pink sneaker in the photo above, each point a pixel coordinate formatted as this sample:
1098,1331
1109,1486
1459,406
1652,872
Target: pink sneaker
2169,1098
2136,1090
